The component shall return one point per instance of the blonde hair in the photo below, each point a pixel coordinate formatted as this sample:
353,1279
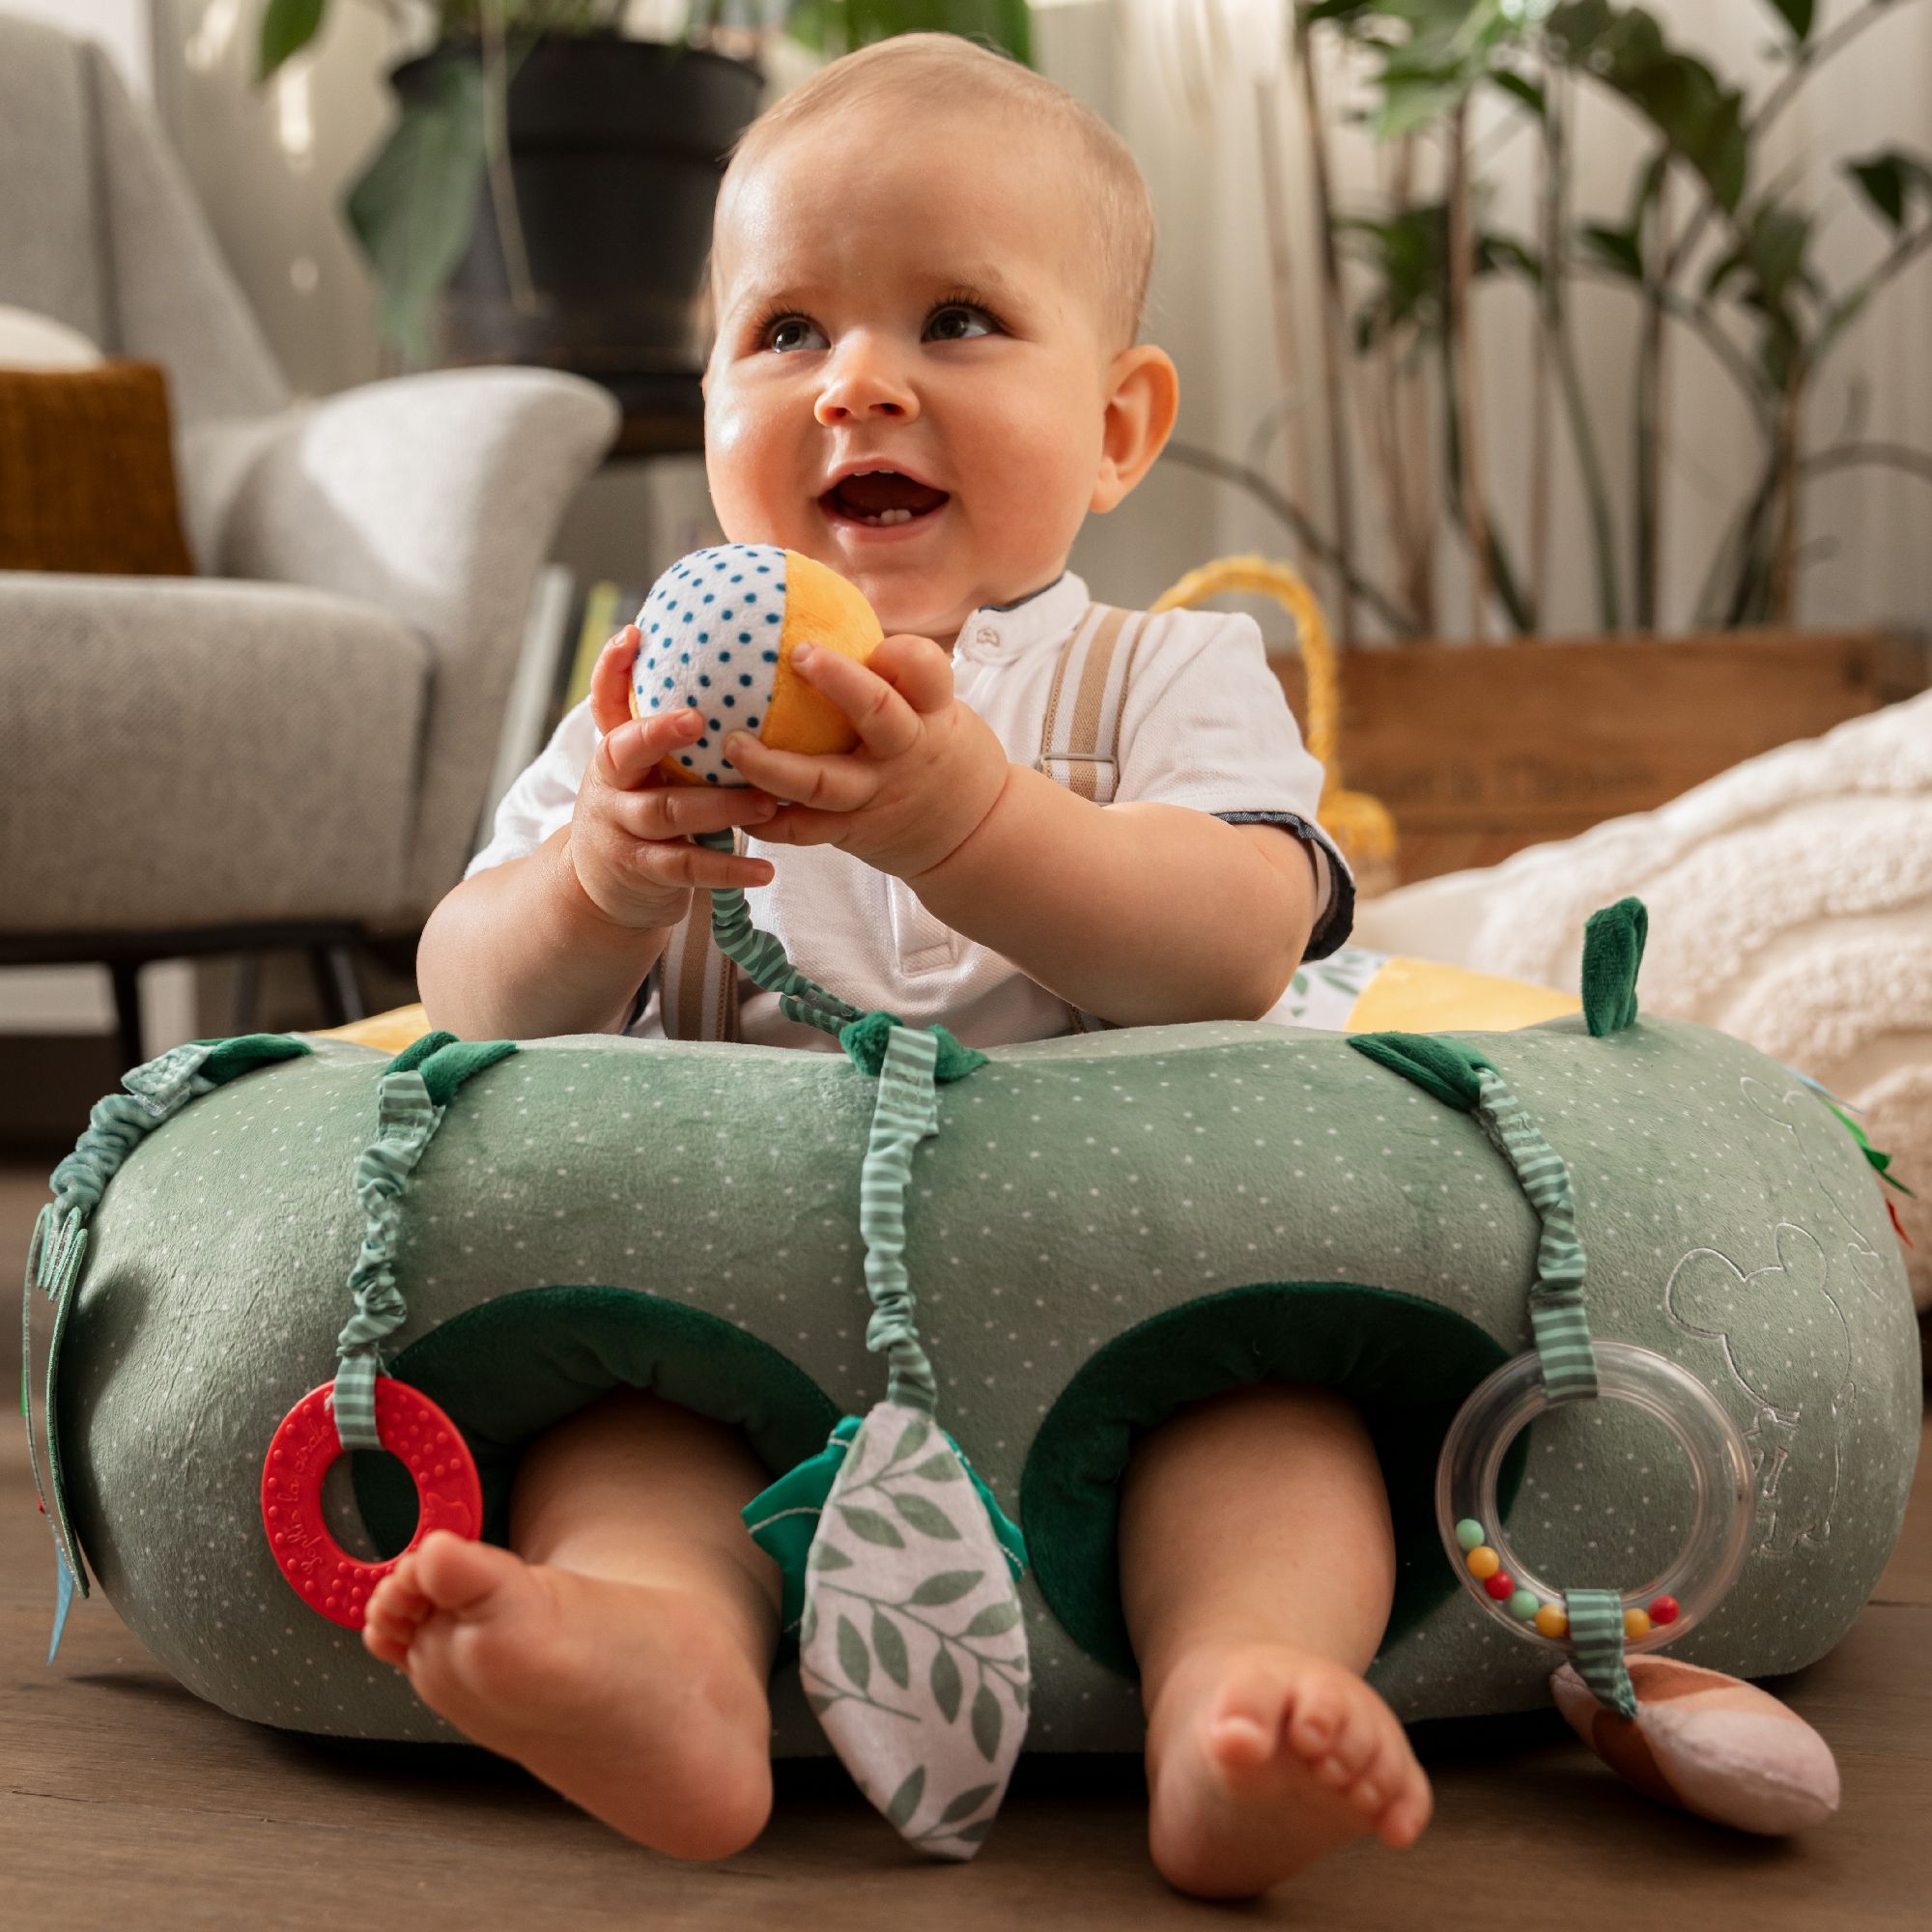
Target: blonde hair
941,71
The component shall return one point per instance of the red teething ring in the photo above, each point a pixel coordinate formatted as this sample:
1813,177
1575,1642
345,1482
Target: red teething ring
449,1494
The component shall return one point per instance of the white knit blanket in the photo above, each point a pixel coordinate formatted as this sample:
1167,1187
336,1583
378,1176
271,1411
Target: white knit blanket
1790,903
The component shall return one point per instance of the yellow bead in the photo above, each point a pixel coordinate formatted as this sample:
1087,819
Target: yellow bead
1636,1624
1484,1562
1550,1620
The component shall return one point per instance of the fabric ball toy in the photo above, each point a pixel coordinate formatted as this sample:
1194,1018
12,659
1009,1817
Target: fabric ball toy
718,630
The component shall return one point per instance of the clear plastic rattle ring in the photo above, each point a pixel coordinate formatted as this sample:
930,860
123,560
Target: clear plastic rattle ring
1724,1497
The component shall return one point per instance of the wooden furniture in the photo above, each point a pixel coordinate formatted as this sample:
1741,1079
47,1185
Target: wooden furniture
1480,750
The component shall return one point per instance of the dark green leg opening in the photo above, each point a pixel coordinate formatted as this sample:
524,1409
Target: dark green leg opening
1407,1364
511,1368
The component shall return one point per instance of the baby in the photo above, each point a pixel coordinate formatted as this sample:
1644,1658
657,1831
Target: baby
927,277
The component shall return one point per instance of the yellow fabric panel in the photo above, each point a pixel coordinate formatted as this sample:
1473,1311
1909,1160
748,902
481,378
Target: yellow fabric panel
823,609
1424,996
386,1033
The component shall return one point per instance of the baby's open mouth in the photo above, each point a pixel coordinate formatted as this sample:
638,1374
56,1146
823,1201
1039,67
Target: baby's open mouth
880,498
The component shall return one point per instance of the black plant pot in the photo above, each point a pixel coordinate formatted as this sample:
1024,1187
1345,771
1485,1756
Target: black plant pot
616,148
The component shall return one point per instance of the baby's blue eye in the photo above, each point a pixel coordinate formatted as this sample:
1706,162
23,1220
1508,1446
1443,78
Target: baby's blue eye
793,331
958,321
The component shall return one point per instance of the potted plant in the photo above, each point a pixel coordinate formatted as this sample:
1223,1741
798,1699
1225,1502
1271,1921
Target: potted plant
1712,248
557,177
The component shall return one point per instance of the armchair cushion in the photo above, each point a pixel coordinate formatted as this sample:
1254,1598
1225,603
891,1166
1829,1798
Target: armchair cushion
199,753
87,472
433,498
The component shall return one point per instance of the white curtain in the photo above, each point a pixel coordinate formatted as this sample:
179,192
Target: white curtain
1867,534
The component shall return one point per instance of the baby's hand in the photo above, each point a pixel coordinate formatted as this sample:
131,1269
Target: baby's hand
627,843
927,770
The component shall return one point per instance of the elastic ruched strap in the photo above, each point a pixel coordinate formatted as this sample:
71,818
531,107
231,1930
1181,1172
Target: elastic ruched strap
904,1114
1556,1315
410,1100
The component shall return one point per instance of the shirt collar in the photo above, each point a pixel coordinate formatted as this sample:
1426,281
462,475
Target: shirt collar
997,635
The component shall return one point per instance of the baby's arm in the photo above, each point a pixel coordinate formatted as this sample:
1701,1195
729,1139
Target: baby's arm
1139,912
559,941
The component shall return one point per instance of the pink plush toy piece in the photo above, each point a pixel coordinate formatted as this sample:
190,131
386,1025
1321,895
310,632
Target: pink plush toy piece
1719,1748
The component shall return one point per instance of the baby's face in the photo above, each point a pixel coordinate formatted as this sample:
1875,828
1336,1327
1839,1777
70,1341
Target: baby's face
915,297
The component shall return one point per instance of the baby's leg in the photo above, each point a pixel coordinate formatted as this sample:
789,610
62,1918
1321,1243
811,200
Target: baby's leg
1257,1568
621,1652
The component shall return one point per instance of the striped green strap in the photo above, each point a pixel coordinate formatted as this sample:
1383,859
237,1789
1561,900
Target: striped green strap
800,998
1557,1313
904,1114
1597,1647
411,1096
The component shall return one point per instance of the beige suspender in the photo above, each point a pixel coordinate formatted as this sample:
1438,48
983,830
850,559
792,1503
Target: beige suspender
1079,747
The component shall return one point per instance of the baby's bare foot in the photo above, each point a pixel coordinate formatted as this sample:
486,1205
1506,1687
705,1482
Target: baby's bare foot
1262,1758
627,1698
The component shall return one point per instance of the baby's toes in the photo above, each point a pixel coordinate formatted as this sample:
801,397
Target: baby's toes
1352,1748
1381,1775
1314,1719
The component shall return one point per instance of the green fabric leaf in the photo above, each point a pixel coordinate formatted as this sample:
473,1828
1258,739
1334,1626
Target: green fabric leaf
827,1556
986,1722
973,1834
419,1050
967,1802
1436,1063
854,1658
945,1586
871,1525
940,1469
926,1517
905,1800
450,1066
994,1619
1613,943
943,1678
890,1648
287,28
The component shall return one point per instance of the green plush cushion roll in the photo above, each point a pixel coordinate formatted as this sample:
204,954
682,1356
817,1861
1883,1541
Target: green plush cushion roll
1104,1228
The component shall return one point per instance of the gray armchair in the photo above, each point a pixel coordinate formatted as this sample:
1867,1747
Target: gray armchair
293,748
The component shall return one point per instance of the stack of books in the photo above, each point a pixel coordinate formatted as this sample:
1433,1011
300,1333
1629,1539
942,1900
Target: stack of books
566,628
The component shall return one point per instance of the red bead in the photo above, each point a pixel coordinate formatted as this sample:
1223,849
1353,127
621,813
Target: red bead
1501,1587
1663,1610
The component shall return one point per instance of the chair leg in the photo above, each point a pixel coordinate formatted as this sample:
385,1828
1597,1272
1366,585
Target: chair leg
334,971
244,996
128,1031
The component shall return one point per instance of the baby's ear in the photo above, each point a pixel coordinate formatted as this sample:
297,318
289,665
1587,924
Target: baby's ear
1143,399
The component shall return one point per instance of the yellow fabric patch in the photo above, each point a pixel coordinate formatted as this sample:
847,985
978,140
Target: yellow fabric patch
822,608
386,1033
1423,996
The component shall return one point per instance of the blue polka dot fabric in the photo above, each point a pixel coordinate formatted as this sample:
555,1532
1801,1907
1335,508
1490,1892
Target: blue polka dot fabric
710,633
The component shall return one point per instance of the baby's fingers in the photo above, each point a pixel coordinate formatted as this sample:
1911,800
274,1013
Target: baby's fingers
670,861
628,756
610,680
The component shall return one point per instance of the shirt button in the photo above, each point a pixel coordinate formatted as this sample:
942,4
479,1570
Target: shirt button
986,635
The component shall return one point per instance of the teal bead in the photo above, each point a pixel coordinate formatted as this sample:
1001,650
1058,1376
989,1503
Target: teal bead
1523,1606
1469,1533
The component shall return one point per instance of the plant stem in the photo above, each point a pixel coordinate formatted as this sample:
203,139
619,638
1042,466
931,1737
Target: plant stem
1335,372
1647,454
1462,363
1549,313
497,146
1892,455
1596,486
1790,485
1281,283
1192,456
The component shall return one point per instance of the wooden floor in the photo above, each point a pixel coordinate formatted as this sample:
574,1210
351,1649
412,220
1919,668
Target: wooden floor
125,1803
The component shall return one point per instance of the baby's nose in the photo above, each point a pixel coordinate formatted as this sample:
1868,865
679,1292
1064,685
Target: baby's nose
862,384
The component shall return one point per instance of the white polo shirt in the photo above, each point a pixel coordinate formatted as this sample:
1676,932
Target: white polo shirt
1206,725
